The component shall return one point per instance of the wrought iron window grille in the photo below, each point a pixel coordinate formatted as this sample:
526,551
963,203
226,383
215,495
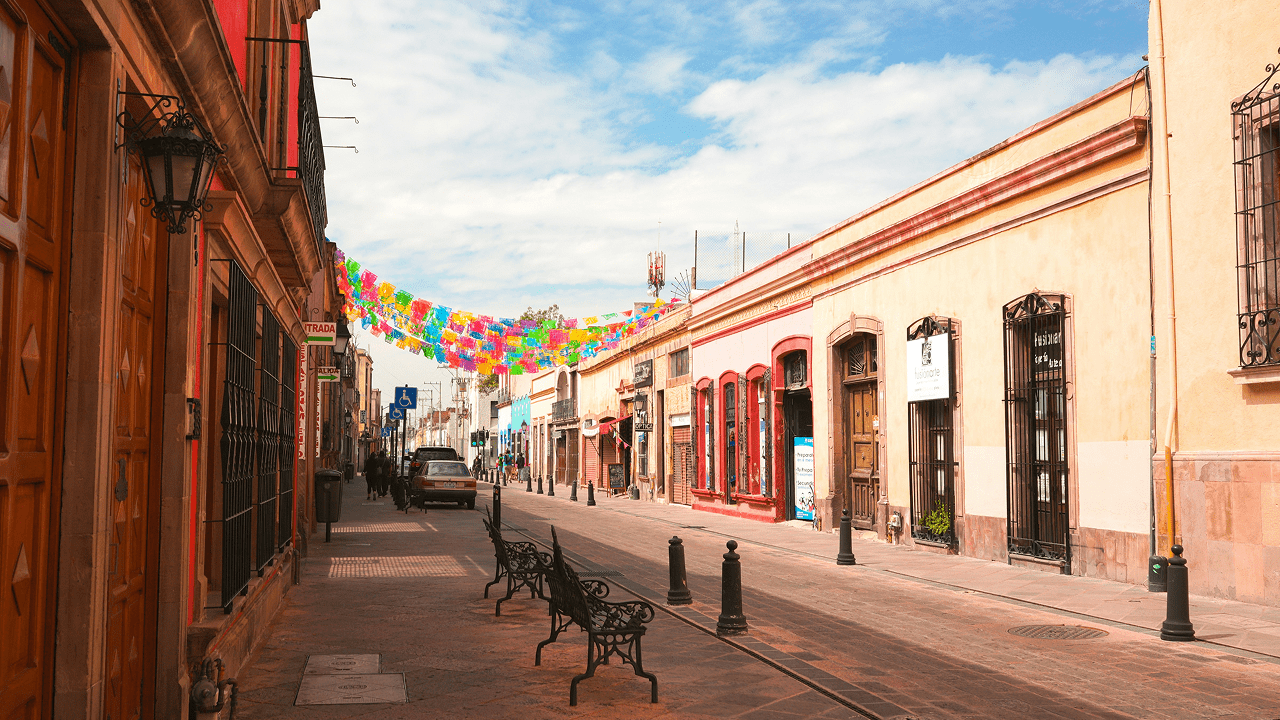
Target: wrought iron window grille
1256,119
1036,438
796,367
238,444
931,445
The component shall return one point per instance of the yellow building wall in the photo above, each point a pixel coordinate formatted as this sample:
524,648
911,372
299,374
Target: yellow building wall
1225,449
1085,235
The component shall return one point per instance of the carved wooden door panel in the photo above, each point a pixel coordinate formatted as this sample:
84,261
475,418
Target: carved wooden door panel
131,572
682,462
861,418
33,153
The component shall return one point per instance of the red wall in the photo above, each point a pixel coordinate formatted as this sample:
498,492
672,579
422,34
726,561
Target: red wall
233,15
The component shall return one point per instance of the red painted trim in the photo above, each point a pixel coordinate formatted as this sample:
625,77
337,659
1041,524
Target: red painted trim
704,493
197,366
746,324
703,384
1117,140
755,499
781,349
755,372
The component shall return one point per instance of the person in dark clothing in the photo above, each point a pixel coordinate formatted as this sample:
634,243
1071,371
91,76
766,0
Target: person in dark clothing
387,475
372,475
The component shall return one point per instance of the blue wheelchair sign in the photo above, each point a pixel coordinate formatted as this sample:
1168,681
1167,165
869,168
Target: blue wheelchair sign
407,398
386,432
395,413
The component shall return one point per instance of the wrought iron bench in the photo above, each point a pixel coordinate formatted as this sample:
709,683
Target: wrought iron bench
521,563
613,628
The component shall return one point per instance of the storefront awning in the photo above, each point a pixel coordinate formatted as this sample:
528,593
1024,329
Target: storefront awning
606,426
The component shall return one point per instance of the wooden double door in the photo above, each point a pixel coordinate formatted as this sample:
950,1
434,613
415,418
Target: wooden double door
860,418
35,67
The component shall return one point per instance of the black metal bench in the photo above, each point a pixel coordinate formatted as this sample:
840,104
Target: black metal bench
521,563
613,628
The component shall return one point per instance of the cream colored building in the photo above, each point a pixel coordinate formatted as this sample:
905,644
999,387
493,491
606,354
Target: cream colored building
1217,157
980,364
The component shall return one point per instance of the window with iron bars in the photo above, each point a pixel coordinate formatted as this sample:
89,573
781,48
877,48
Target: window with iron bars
1035,400
258,421
931,448
1256,118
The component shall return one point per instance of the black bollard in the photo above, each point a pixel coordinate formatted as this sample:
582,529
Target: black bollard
497,506
540,485
573,491
528,482
679,593
591,494
1177,617
846,541
551,486
1157,579
731,620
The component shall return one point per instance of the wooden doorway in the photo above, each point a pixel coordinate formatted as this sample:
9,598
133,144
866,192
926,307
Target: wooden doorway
861,421
136,396
682,465
35,64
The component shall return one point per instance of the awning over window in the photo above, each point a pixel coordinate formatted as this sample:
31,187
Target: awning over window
607,426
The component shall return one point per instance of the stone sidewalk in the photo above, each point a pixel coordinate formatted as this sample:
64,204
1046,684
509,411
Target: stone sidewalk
1245,626
409,588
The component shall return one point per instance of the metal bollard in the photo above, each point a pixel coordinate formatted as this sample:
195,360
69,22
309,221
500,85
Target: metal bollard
573,491
679,593
1157,574
591,494
497,506
528,482
551,486
846,541
731,620
1177,617
540,486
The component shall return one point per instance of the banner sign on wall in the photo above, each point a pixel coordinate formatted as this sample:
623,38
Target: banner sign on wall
802,471
929,368
321,333
301,440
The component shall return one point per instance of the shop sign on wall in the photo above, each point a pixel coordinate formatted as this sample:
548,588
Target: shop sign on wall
802,471
301,439
321,333
1046,353
929,368
643,374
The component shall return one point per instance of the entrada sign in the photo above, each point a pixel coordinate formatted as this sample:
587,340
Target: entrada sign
321,333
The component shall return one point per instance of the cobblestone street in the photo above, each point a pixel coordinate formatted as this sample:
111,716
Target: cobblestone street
825,641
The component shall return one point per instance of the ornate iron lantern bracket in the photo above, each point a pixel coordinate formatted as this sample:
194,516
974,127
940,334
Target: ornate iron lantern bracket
178,156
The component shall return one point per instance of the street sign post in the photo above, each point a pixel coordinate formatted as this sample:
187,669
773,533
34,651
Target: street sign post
407,398
321,333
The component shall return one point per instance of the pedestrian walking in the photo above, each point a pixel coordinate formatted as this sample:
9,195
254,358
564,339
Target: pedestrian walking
388,475
522,471
372,471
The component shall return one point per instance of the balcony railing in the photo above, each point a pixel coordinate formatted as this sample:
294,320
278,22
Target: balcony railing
310,167
563,410
311,149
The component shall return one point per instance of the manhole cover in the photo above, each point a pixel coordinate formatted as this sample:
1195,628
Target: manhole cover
1057,632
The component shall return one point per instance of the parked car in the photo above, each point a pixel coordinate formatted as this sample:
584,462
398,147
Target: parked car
443,481
423,455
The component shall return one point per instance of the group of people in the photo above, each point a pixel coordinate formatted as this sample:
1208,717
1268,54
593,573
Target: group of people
377,474
511,466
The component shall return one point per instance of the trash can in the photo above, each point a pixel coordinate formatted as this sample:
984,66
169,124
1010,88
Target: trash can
328,495
349,471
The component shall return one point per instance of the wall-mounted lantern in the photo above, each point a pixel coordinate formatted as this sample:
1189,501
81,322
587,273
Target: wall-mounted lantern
178,156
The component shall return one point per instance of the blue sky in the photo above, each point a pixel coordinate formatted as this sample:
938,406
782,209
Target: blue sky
523,153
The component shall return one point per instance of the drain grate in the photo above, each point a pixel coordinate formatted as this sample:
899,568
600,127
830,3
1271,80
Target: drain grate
1057,632
694,527
600,573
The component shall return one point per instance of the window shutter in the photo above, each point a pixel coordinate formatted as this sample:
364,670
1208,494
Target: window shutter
744,438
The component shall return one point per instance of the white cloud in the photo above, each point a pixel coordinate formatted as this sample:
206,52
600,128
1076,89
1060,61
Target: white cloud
491,180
